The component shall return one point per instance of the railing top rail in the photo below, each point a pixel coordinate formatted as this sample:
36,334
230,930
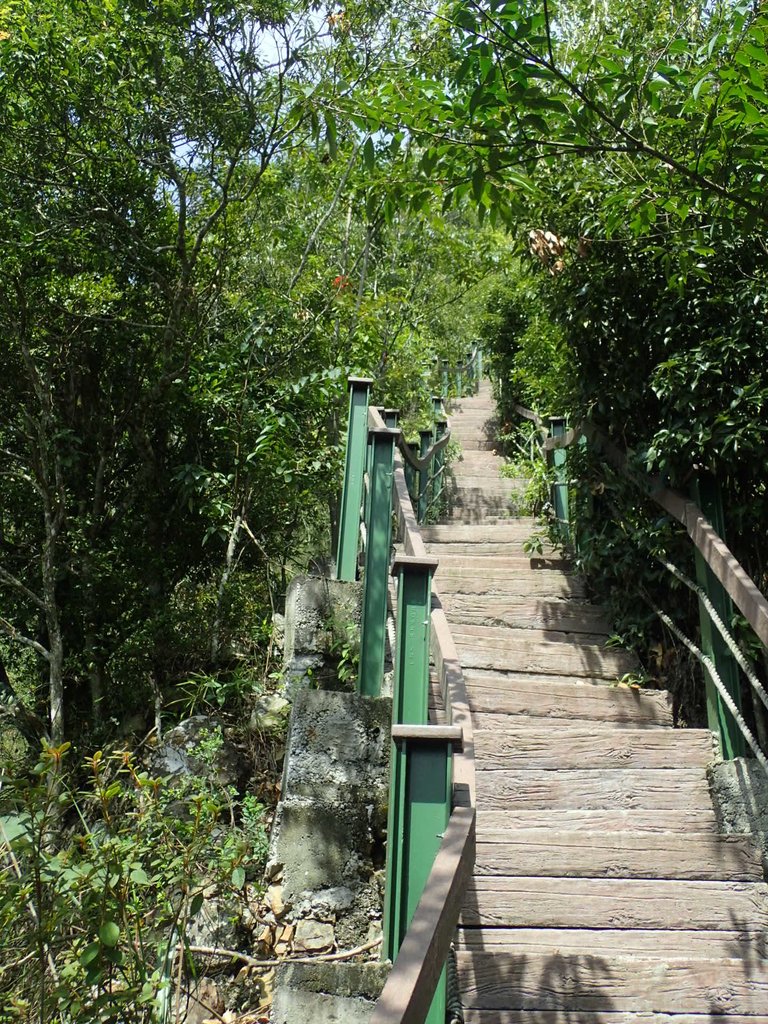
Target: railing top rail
376,422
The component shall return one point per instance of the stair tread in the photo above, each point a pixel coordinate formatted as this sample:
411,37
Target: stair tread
584,983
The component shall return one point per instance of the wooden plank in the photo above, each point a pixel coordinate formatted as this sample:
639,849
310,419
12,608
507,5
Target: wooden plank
545,852
616,903
491,824
524,612
614,942
490,548
584,661
579,746
516,529
630,787
542,698
476,1016
544,583
525,636
498,564
585,983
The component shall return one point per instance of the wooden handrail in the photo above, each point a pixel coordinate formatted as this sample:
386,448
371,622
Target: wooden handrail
410,987
376,422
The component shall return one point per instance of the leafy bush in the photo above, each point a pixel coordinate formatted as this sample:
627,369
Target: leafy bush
101,883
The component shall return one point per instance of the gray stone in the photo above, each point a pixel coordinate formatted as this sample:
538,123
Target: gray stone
216,924
317,611
320,846
177,754
313,936
740,796
327,993
339,744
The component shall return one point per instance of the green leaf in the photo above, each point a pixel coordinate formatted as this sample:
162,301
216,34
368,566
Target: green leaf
369,154
109,933
238,877
90,953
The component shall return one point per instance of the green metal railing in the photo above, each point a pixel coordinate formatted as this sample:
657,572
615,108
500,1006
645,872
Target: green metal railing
463,378
720,580
420,803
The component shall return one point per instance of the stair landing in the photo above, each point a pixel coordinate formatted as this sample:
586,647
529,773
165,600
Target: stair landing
603,891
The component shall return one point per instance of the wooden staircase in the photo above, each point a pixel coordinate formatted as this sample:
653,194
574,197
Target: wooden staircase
602,891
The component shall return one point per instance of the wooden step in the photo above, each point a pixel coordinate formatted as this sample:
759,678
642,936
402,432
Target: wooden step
476,1016
542,658
498,697
581,788
515,529
492,825
582,983
501,565
524,637
519,612
505,549
547,583
546,852
528,745
615,903
613,942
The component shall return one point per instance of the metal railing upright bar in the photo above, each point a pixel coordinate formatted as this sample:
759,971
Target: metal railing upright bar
431,827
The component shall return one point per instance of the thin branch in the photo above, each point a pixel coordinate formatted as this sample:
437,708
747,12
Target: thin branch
11,580
14,634
325,218
249,961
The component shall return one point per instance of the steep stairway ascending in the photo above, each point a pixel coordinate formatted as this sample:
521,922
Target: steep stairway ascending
602,892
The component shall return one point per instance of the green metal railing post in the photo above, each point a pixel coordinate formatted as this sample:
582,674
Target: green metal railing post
457,372
707,494
373,627
354,469
410,695
391,417
425,443
479,366
446,383
410,472
410,706
423,802
470,374
441,425
560,486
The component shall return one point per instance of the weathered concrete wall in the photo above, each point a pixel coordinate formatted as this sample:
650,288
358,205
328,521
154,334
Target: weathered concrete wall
326,864
318,612
327,993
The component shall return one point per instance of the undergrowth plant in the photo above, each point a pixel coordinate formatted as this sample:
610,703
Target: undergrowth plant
100,883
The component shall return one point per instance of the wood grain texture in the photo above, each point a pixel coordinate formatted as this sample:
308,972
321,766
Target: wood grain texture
616,903
541,583
578,746
497,654
542,698
545,852
685,944
587,982
491,824
608,789
524,612
476,1016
